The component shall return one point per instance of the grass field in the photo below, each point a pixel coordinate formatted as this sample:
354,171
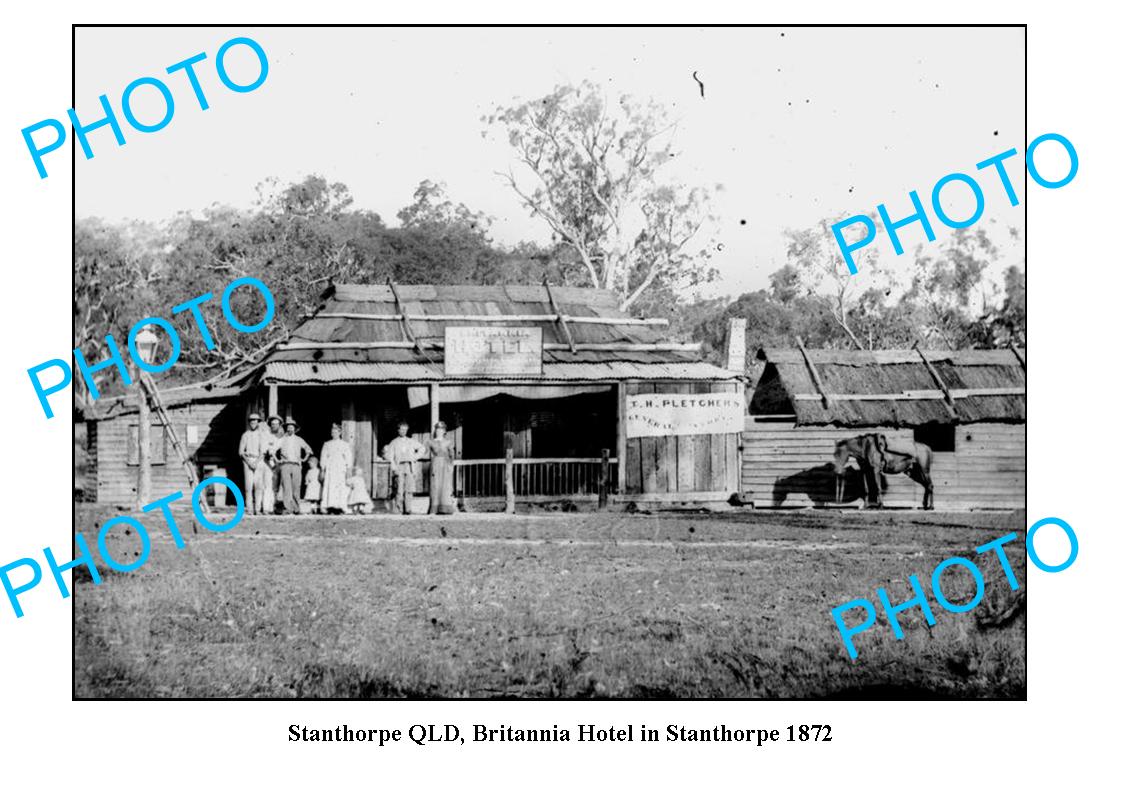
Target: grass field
547,605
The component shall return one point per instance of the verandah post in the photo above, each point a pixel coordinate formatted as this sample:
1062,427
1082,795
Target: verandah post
602,492
434,405
509,470
621,438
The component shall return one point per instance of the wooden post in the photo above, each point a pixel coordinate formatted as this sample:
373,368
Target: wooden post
509,471
349,416
168,428
602,486
621,438
560,318
272,409
144,448
407,329
434,405
936,378
814,374
735,346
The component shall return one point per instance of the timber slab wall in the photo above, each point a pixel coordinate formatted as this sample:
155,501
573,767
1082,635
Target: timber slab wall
678,467
789,466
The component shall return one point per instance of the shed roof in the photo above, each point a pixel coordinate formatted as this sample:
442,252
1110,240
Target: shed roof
892,388
171,398
370,314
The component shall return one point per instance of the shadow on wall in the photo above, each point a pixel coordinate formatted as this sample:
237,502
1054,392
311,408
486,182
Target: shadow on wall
217,447
818,483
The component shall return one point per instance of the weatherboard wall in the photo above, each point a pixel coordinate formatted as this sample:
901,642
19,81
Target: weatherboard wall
789,466
111,449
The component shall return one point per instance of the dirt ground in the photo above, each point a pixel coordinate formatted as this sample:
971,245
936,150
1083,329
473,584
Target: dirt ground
734,604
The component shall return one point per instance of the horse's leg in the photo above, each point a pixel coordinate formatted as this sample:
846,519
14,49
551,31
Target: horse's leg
841,457
920,474
929,490
873,494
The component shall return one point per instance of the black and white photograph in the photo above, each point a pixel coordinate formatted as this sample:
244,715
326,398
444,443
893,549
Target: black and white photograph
550,363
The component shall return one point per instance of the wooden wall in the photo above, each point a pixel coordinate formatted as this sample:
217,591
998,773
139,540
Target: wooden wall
789,467
698,466
218,428
989,469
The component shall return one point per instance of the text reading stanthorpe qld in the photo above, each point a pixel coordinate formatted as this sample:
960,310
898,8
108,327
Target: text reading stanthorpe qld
424,734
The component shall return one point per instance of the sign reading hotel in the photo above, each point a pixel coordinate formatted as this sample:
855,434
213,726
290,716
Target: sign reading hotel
678,414
493,351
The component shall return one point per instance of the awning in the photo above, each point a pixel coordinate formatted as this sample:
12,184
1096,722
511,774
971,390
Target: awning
459,393
310,373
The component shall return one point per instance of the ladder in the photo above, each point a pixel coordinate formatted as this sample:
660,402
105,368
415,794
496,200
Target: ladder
150,390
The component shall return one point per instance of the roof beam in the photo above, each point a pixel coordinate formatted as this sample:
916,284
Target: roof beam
936,378
915,395
560,319
814,374
308,345
590,319
407,330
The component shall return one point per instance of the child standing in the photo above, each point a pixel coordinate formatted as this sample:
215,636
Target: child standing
358,499
312,479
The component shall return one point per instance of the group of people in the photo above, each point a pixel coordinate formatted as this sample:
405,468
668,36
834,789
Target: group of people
273,458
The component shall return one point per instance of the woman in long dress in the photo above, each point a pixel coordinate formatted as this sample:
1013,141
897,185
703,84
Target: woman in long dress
441,453
336,459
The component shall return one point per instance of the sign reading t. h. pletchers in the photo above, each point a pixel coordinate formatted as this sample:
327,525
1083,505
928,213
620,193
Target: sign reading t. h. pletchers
671,414
493,351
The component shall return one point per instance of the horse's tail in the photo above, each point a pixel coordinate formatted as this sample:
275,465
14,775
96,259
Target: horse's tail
923,456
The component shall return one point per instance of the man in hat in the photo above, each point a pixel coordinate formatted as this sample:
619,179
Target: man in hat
403,453
251,449
291,453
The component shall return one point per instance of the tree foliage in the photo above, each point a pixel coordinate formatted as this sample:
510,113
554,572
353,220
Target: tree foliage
298,239
595,172
949,299
116,276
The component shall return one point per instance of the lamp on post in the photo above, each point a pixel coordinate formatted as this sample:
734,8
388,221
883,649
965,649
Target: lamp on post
146,344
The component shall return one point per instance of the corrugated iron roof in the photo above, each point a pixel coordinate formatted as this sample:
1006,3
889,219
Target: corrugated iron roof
423,302
375,372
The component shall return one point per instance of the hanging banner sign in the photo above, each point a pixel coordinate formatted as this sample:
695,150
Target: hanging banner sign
678,414
493,351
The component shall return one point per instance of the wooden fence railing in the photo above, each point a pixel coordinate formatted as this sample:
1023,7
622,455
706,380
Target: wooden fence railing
566,477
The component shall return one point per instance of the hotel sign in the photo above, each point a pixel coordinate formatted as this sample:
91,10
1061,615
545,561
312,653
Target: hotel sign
678,414
493,351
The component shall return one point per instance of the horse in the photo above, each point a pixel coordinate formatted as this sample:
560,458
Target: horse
865,451
875,459
916,465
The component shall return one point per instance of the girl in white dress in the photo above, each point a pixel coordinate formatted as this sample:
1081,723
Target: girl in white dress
358,499
311,502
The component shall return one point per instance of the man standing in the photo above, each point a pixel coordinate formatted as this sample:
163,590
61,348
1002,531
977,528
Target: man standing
291,453
251,450
402,454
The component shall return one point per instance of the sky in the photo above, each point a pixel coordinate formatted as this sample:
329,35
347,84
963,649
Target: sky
795,125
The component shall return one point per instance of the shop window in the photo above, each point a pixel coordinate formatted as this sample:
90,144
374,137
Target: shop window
158,447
